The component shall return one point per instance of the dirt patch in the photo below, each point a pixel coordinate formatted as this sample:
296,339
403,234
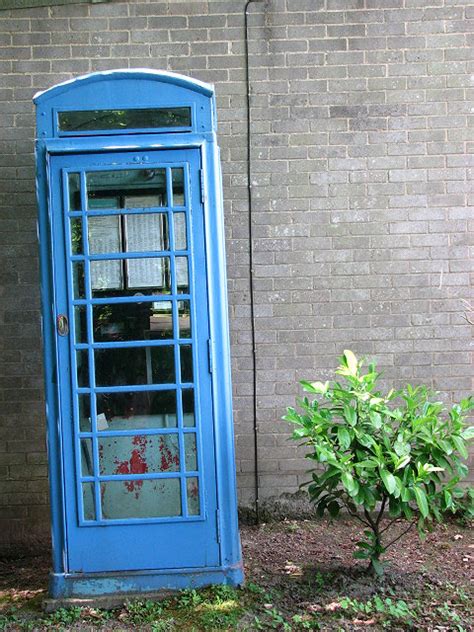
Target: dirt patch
299,575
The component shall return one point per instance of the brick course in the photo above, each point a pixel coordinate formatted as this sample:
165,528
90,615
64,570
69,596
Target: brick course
362,175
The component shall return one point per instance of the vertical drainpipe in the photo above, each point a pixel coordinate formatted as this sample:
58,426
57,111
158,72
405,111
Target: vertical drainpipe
251,270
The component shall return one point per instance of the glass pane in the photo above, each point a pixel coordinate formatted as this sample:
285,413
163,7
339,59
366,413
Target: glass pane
106,275
182,278
180,238
186,363
147,232
80,323
82,360
140,118
178,186
184,319
133,321
74,186
104,234
145,273
190,452
134,365
88,501
130,277
84,413
188,408
78,279
192,490
139,454
135,410
157,498
128,188
76,236
87,467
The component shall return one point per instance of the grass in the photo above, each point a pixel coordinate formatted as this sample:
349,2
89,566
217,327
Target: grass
222,608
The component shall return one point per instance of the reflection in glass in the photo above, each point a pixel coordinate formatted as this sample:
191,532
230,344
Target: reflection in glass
184,319
80,323
137,409
127,188
87,467
138,454
192,492
180,239
135,365
182,278
177,176
74,186
186,355
82,360
78,285
158,498
84,412
88,501
136,118
76,235
190,452
133,321
188,408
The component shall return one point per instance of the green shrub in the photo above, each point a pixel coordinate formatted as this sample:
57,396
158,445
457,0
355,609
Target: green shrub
398,451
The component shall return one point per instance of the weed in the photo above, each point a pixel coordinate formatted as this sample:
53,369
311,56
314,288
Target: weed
189,598
64,616
387,608
143,611
163,625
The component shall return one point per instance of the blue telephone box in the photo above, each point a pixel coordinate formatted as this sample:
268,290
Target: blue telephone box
135,329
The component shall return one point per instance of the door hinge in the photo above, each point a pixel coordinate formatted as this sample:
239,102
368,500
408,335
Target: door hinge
202,185
218,526
210,355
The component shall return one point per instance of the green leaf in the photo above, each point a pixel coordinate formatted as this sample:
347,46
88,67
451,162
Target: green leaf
350,415
367,464
421,501
403,462
348,482
333,509
468,433
351,362
460,446
377,566
388,480
344,437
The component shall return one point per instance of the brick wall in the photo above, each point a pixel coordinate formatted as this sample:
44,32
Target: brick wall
362,174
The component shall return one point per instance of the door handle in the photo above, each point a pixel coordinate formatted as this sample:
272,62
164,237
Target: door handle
62,325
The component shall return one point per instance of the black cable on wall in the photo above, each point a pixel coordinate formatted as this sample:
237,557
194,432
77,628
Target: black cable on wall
251,271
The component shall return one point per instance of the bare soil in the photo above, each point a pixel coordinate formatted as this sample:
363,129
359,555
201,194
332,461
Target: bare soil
299,575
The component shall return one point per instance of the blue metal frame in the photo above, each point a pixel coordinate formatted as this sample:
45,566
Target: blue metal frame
141,89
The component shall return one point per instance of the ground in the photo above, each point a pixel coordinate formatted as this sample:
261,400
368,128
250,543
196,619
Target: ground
300,575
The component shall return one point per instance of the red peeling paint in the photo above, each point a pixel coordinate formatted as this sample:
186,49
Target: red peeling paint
167,457
135,465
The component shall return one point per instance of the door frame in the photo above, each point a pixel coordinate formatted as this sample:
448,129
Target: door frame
63,583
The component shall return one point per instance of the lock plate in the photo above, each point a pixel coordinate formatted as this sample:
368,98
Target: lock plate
62,325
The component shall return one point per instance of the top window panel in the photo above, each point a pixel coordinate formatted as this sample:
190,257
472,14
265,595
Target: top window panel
83,121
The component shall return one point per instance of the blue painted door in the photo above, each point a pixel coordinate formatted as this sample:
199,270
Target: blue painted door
136,415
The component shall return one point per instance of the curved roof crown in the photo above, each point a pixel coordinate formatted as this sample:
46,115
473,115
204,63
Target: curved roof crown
144,74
